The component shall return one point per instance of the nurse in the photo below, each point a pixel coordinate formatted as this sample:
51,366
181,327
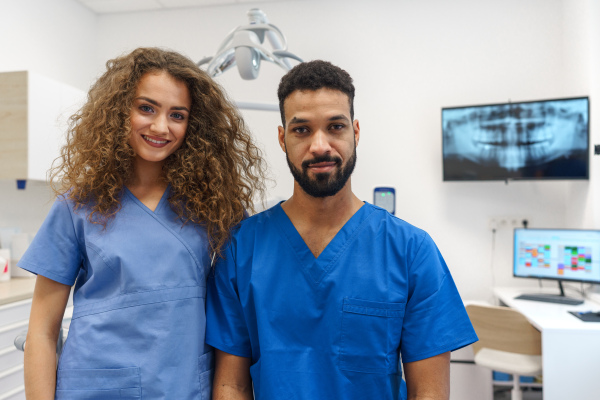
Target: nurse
325,296
157,168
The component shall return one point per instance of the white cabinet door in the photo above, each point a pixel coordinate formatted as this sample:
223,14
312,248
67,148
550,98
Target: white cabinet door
14,318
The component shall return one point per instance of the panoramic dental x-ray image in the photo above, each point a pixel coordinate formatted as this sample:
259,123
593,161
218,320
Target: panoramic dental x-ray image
542,139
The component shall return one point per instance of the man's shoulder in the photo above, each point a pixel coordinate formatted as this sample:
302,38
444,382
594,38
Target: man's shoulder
391,223
253,222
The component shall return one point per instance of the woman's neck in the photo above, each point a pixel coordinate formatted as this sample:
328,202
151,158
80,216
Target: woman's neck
147,175
148,183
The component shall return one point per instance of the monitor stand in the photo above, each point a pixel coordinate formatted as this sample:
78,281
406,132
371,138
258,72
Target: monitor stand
551,298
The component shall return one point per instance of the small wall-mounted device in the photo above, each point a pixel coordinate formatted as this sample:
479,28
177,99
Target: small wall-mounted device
385,197
597,149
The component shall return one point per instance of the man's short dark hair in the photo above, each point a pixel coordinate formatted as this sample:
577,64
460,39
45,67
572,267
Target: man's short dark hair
315,75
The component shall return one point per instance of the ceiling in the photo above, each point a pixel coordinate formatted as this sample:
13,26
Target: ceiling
119,6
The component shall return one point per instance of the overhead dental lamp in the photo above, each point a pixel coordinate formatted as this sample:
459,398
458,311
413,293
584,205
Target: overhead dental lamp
245,47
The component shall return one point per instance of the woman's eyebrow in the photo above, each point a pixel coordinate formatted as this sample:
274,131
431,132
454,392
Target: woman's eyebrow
149,100
156,103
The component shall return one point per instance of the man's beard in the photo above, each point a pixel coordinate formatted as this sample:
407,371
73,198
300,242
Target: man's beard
324,184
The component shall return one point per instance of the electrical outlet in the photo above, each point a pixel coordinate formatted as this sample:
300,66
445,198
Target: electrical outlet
508,222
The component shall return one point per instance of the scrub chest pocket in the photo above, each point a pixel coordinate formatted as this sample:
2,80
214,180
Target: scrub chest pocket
370,336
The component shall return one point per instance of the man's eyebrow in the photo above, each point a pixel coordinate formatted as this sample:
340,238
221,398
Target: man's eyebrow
156,103
297,120
339,117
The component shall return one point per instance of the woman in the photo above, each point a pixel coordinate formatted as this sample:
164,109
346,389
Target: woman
158,167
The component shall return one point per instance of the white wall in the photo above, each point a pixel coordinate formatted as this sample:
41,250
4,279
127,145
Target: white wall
408,59
593,200
582,57
56,39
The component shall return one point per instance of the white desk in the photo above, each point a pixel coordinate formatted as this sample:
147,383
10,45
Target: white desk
570,347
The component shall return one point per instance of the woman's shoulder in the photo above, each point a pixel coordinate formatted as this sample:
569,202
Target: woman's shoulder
79,208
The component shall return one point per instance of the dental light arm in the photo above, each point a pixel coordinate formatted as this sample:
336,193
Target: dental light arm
245,47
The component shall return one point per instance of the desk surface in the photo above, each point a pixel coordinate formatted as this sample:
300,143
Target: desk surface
16,289
571,355
548,315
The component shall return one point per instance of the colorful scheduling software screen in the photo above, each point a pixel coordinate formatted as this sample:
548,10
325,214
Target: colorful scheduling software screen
564,254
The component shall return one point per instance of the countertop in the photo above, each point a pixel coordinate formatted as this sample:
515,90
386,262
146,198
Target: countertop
16,289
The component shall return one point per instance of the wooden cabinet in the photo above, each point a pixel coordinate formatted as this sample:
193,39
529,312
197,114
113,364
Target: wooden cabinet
33,120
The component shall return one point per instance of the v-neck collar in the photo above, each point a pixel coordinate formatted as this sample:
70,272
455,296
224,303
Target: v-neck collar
316,268
160,204
164,221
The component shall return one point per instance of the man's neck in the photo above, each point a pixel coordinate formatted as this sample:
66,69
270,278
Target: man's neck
318,219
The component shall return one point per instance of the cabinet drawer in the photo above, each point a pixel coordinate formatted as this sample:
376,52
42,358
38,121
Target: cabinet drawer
10,357
17,393
15,312
11,378
8,333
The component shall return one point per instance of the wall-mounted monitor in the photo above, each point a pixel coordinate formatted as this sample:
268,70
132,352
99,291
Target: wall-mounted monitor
546,139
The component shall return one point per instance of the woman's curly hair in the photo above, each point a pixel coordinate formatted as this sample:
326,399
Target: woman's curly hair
214,176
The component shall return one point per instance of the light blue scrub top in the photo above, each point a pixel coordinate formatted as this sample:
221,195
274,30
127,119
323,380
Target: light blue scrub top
139,302
333,327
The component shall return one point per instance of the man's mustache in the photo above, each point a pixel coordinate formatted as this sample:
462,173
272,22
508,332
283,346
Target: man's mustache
320,159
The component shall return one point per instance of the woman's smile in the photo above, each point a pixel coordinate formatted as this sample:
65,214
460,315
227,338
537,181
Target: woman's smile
155,142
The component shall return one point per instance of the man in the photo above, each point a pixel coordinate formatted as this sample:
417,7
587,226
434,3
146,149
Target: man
319,296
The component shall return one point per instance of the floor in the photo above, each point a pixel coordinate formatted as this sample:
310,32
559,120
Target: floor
503,393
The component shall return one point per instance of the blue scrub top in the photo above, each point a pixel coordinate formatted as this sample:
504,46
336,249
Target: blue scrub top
336,326
139,302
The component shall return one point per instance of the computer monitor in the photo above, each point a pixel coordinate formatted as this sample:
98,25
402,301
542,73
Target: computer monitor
557,254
